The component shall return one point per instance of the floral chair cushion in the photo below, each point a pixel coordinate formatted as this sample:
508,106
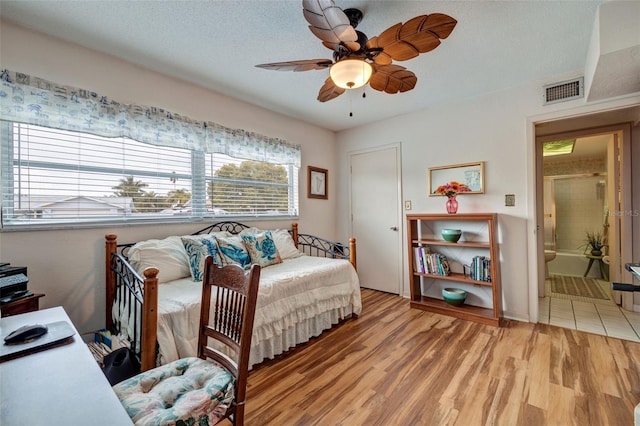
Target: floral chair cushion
262,249
189,391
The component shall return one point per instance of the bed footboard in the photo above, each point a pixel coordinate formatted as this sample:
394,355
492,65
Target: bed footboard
136,299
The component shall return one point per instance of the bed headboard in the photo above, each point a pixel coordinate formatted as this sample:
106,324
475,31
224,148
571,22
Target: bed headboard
307,243
229,226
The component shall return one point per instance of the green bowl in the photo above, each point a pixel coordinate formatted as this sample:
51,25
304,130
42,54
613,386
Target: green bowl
451,235
454,296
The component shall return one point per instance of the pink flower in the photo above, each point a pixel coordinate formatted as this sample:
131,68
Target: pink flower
451,189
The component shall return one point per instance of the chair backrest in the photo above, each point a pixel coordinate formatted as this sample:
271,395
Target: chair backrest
234,293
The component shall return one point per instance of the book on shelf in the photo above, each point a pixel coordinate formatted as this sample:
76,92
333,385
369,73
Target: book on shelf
479,270
418,261
427,262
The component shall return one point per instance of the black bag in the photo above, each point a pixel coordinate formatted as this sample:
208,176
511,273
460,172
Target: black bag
120,364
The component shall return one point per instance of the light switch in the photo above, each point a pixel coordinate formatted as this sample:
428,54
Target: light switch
407,205
510,200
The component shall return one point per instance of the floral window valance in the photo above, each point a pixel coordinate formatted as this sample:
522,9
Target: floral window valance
33,100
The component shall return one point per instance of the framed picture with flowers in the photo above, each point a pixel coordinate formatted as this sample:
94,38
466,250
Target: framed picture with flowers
451,180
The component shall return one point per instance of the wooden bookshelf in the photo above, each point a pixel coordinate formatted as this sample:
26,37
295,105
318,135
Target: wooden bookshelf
479,232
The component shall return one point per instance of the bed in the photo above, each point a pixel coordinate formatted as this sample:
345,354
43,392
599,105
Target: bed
314,287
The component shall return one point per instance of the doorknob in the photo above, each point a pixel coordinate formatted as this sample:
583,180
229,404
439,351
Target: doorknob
394,228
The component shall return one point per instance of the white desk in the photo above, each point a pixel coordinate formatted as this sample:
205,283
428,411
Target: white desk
62,385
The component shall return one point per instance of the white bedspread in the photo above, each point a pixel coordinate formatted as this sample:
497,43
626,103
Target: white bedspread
297,300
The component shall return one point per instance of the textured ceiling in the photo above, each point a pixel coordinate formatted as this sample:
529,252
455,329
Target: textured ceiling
496,45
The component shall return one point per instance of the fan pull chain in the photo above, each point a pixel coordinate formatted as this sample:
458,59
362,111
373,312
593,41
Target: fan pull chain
350,104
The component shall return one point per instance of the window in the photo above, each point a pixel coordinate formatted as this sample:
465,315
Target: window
52,176
250,187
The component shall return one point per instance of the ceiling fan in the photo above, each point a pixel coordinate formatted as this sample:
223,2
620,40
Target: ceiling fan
357,59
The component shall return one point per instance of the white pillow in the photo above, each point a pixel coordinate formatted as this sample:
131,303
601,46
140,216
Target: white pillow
250,231
284,243
219,234
215,234
168,255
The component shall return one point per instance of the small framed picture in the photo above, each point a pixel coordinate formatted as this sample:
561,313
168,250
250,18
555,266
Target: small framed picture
471,174
317,180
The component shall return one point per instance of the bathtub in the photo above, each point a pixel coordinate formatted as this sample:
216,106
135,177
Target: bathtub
573,262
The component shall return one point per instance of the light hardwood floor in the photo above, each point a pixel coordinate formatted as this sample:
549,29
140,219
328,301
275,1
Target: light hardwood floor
400,366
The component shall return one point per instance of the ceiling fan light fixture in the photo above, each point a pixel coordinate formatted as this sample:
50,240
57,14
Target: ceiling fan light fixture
351,73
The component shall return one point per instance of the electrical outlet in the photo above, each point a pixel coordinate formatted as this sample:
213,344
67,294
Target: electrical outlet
407,205
510,200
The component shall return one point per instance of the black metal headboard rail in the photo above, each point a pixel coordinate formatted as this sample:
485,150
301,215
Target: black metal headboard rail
316,246
229,226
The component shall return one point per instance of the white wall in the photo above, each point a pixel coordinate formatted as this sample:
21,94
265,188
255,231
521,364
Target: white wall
493,129
69,265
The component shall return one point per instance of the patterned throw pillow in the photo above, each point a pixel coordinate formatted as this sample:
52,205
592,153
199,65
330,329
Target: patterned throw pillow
233,252
262,249
198,248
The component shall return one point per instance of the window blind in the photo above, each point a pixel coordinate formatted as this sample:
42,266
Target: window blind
62,177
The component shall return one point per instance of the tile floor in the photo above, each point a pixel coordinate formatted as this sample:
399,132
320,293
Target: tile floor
596,316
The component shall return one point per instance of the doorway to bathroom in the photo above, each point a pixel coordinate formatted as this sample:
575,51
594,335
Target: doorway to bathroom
576,206
582,176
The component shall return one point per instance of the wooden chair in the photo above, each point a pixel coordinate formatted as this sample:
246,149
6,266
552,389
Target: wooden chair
211,387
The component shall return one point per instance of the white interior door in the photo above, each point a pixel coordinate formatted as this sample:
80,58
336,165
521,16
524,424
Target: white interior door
375,216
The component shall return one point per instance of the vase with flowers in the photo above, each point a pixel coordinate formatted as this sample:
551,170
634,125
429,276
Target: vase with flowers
451,190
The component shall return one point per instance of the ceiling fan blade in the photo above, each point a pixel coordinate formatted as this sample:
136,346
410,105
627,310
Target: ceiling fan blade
304,65
418,35
440,24
329,91
329,23
392,79
381,58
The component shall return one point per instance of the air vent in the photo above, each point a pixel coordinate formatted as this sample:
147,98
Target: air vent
564,91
